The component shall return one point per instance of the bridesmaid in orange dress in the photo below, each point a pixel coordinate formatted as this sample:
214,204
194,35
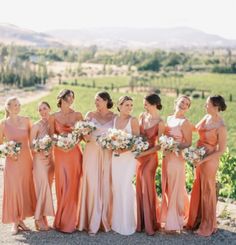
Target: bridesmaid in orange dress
18,196
96,199
151,127
67,165
212,133
43,171
175,202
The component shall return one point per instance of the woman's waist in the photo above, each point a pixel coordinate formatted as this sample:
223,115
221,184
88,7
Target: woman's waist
209,147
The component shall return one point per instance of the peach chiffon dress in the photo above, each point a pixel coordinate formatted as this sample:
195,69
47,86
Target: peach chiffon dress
19,195
67,178
175,202
202,214
96,198
43,171
148,208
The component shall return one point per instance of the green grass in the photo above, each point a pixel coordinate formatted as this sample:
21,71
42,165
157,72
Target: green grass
84,100
223,84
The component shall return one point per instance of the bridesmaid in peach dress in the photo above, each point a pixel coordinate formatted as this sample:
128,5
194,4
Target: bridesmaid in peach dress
96,199
175,202
67,165
19,196
151,127
43,171
212,133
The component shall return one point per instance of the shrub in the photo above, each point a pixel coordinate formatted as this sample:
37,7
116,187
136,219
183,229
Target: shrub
196,95
187,90
227,175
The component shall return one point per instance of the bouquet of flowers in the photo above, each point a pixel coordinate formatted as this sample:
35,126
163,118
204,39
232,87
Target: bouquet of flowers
168,144
139,145
194,154
82,128
116,139
42,145
10,149
65,141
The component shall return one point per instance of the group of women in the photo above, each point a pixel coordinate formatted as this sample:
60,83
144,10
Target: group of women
95,189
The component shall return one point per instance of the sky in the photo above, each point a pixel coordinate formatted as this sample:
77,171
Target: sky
211,16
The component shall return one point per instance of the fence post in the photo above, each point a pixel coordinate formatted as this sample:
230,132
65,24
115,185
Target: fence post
203,95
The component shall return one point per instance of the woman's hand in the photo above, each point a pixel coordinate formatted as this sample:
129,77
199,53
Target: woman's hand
87,138
142,154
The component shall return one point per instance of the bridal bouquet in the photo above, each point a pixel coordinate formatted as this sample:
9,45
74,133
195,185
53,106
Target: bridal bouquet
116,139
10,149
42,145
65,141
168,144
83,128
194,154
139,145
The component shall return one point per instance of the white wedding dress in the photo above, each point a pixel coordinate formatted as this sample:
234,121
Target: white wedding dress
124,213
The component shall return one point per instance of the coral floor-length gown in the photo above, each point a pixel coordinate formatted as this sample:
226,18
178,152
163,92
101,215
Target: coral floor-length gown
203,197
67,177
148,208
19,195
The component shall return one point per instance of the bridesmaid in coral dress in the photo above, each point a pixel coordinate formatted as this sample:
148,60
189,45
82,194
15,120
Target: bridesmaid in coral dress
175,202
43,171
96,198
212,133
67,165
124,212
151,127
19,196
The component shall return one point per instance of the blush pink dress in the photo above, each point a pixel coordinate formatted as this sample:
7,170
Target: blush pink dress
202,214
96,198
19,195
43,171
175,202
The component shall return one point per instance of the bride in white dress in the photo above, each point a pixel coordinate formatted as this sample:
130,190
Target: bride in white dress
123,170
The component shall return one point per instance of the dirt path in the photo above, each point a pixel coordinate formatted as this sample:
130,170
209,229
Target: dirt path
225,235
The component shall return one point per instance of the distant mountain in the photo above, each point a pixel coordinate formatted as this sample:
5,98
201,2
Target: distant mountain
116,38
179,37
13,34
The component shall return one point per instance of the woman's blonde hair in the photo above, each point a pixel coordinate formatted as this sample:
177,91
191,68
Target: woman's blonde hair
122,100
8,103
185,97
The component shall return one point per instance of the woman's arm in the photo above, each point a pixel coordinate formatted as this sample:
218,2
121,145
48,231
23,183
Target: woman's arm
51,122
1,131
33,134
135,126
187,134
79,116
